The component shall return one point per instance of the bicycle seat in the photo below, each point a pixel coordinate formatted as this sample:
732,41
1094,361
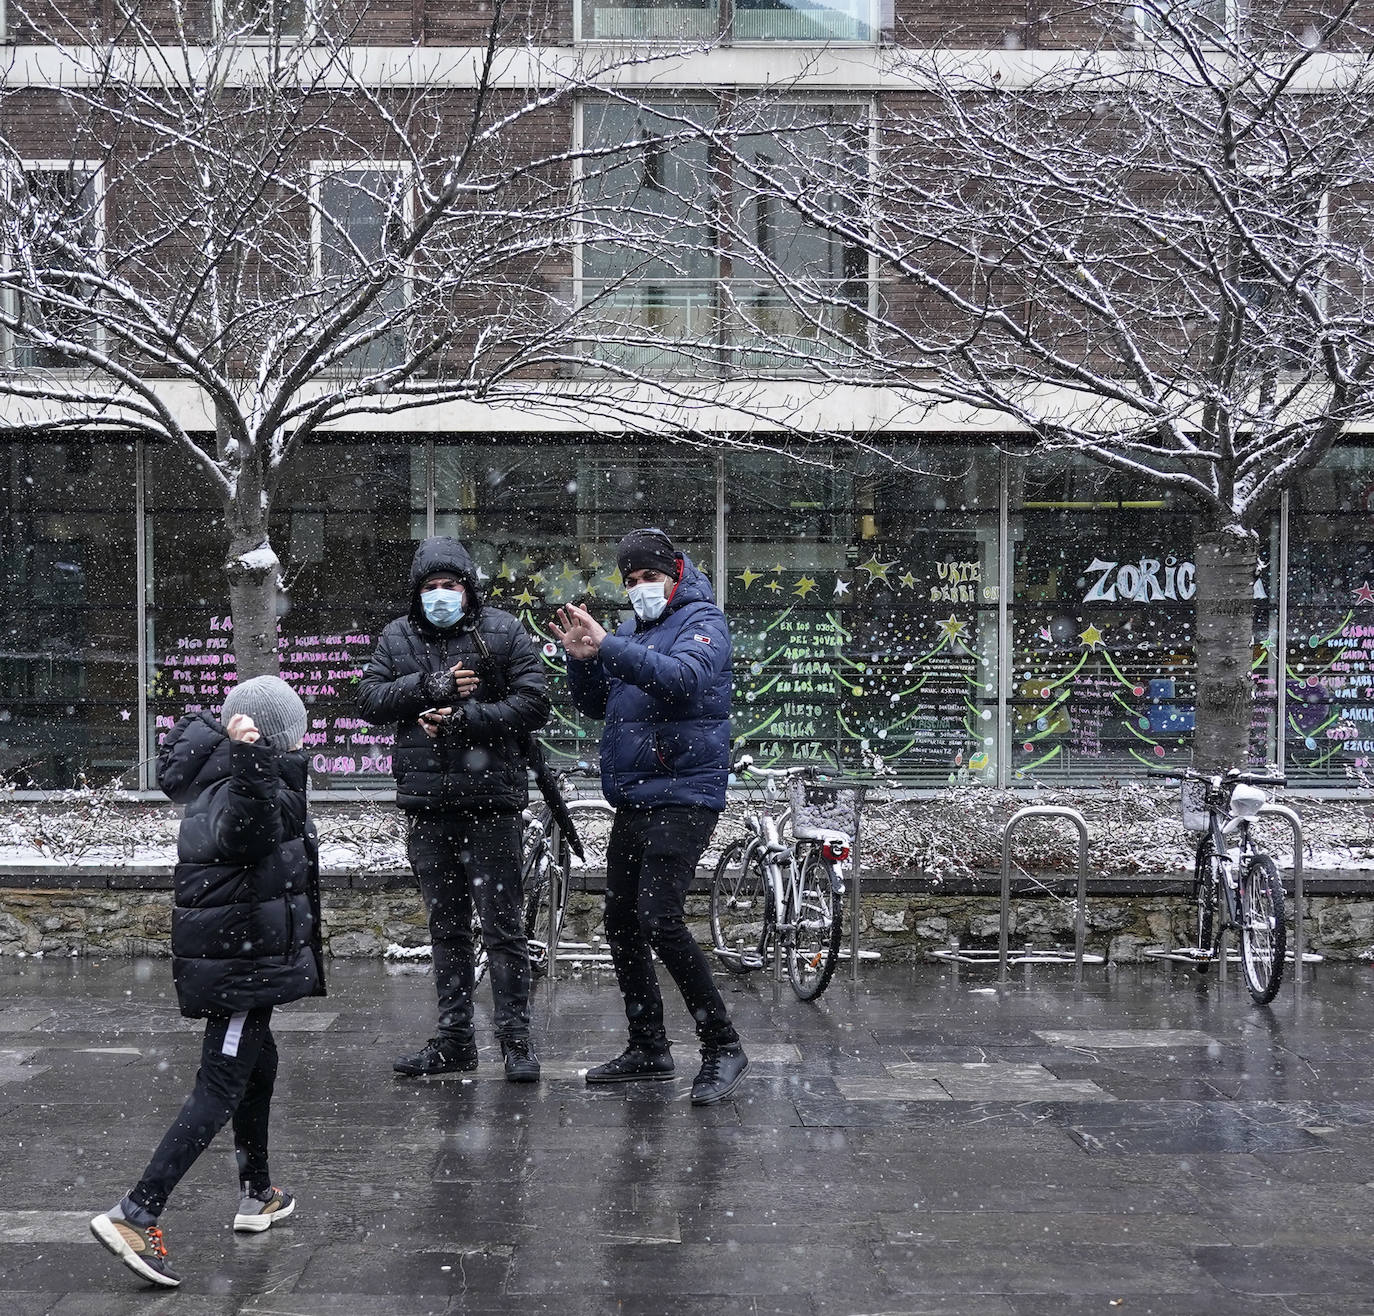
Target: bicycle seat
825,835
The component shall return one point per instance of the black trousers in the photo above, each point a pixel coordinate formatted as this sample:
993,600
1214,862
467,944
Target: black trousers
650,861
238,1067
461,860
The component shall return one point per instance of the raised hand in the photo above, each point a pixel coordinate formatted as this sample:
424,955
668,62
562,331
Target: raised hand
242,727
578,632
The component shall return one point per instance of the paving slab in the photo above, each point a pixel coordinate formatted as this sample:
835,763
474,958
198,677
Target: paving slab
921,1144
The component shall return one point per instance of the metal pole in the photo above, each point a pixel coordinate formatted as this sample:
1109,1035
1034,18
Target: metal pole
854,899
1281,666
1004,653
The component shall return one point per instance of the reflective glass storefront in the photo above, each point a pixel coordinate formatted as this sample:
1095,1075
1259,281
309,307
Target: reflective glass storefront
945,613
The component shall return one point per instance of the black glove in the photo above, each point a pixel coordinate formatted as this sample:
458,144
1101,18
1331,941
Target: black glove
440,687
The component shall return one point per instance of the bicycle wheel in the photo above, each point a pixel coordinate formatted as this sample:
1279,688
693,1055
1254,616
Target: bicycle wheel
817,928
545,881
1263,932
1206,885
739,907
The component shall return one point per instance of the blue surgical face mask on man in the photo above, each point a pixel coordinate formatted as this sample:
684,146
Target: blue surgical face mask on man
443,607
649,599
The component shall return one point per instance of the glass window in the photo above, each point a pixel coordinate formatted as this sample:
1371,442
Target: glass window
68,615
67,200
266,18
542,522
358,215
345,524
652,245
805,20
1103,659
1329,731
648,20
863,598
1159,17
738,20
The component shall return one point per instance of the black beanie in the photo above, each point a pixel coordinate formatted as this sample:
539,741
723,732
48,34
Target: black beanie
647,549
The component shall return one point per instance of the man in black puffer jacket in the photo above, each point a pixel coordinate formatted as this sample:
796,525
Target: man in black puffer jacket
245,938
465,690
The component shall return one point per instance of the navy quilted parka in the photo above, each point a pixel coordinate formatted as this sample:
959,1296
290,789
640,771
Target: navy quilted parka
664,689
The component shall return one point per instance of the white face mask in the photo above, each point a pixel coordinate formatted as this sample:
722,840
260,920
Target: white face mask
649,600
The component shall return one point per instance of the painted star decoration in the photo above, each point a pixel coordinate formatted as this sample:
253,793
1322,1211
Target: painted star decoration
877,570
1091,637
953,629
804,587
841,587
748,576
1364,594
906,580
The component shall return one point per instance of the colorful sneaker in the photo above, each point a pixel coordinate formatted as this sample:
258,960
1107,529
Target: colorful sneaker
259,1211
142,1250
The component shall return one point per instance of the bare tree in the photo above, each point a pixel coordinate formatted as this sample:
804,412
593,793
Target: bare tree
1155,253
257,216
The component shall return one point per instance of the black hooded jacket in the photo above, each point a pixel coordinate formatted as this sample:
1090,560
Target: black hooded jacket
477,766
246,926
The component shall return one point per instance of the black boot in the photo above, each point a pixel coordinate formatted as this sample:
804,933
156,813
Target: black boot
522,1065
635,1064
722,1067
440,1055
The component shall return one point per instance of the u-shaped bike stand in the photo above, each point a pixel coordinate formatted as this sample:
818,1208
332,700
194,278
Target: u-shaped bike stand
1030,956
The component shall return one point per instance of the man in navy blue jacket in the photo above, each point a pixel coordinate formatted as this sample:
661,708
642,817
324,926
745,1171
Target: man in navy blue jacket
663,683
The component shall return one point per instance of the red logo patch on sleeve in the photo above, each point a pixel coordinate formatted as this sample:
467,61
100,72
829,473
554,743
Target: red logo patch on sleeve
705,639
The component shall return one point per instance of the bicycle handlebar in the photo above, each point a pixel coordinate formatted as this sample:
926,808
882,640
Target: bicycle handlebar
745,765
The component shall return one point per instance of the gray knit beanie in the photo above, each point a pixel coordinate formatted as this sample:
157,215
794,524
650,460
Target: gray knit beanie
275,708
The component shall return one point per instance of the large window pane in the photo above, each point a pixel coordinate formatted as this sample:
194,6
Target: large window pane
863,596
1103,657
68,618
542,522
345,525
1329,736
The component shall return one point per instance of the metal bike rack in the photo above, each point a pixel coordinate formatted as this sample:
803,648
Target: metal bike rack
1299,957
1080,902
955,954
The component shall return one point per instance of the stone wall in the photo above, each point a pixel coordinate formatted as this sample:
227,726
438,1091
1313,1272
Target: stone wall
82,921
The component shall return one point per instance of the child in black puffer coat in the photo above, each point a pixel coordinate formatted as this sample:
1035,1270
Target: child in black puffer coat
245,937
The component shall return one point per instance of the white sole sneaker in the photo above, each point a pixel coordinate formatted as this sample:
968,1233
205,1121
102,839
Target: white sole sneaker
261,1220
107,1234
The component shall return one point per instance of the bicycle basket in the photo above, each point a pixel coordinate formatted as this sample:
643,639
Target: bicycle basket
1193,797
822,806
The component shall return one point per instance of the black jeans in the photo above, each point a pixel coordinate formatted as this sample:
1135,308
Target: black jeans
461,859
650,862
238,1066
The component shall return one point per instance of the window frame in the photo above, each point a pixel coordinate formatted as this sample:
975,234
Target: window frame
310,21
1143,12
94,171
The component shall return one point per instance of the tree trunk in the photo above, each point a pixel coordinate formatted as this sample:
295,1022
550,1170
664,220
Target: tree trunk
1224,633
252,569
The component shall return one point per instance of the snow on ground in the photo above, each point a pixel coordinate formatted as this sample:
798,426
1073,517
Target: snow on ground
1132,829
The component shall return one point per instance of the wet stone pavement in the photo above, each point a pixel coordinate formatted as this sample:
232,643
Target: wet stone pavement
919,1143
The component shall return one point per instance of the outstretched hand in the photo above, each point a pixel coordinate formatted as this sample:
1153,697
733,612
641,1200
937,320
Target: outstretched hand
578,631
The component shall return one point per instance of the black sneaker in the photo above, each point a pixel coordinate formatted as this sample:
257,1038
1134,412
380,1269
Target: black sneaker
440,1055
633,1065
142,1250
722,1067
522,1065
